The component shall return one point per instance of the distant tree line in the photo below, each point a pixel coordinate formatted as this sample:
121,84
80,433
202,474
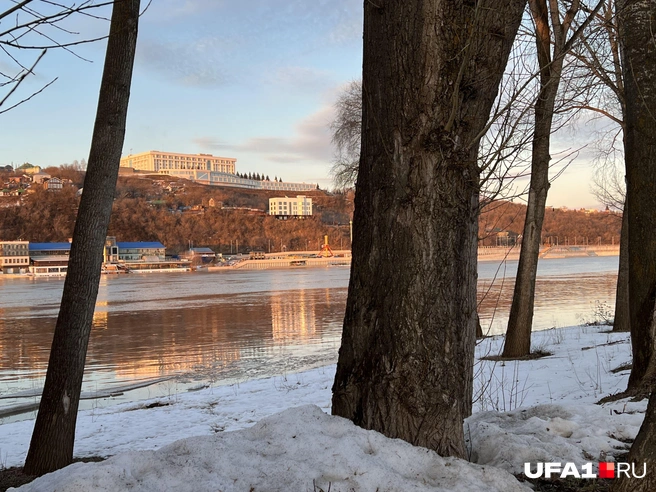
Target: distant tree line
561,226
145,211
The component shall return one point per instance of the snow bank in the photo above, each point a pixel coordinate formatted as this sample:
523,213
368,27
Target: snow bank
528,411
559,433
300,449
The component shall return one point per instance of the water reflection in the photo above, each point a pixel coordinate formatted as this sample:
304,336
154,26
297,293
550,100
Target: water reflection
221,337
562,300
237,325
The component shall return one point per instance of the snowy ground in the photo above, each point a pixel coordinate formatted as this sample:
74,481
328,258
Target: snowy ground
251,438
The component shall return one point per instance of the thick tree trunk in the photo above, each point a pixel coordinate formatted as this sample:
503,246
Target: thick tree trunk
52,442
430,75
621,317
520,321
643,451
637,20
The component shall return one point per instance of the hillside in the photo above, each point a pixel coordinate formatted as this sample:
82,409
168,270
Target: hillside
561,226
179,213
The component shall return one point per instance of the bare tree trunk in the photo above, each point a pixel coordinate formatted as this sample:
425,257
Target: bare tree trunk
520,322
643,452
621,317
637,19
406,362
53,438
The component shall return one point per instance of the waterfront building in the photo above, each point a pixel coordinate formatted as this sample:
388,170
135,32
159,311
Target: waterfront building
14,256
49,259
200,256
139,257
301,206
117,252
141,251
156,161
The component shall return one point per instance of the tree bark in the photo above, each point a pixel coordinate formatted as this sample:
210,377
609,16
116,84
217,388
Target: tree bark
643,451
520,321
636,30
430,75
52,442
621,317
637,18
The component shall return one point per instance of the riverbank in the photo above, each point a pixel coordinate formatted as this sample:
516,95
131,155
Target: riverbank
524,411
309,259
548,252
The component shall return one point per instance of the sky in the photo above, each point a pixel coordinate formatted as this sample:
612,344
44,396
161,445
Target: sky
255,80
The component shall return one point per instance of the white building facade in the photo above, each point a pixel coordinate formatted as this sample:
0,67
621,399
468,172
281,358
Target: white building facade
14,256
301,206
205,169
157,161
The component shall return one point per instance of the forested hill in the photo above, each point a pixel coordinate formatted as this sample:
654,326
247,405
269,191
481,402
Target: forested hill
561,226
179,213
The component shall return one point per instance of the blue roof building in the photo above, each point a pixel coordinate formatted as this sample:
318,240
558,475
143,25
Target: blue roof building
141,250
50,249
141,245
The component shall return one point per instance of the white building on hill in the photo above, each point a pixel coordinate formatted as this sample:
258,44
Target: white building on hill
205,169
301,206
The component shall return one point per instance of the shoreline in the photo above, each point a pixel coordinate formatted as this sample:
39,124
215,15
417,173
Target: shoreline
305,259
501,436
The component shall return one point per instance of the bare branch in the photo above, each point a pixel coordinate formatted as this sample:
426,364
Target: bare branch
30,96
13,9
22,78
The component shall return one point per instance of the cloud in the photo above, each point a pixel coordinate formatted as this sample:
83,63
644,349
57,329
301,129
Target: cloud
211,43
197,63
309,142
294,78
174,10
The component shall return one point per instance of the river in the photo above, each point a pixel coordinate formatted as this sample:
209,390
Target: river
180,331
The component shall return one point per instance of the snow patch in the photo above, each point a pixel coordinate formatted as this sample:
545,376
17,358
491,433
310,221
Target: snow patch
300,449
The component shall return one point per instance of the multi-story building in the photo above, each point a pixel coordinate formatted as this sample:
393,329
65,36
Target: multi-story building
204,169
301,206
232,180
49,259
53,184
157,161
14,256
141,251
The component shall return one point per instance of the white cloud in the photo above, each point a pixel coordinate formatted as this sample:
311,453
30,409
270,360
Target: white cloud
295,78
197,63
310,142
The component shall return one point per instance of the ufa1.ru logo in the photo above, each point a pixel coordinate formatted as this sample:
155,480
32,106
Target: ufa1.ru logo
608,469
